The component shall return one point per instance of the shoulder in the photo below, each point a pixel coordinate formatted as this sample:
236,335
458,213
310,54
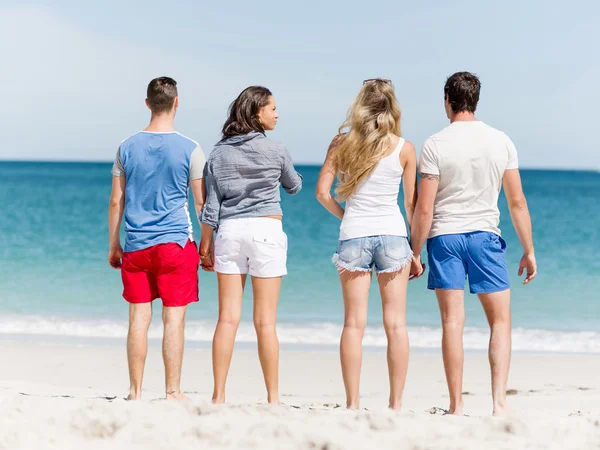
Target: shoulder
507,140
430,146
337,140
131,139
498,135
267,142
443,134
184,141
495,132
407,152
429,159
197,155
130,144
408,148
439,140
272,146
218,152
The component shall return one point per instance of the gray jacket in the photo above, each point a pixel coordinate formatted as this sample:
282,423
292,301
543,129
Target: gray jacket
244,174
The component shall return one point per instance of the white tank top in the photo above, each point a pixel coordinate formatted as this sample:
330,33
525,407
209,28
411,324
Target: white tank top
373,210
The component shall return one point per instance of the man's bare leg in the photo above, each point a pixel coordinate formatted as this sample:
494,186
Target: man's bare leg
497,310
140,316
174,323
452,308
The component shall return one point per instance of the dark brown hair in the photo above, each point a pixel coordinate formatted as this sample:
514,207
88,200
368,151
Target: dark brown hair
243,112
161,94
462,91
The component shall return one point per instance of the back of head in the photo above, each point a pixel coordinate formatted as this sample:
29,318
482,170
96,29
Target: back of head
374,115
243,112
462,92
161,95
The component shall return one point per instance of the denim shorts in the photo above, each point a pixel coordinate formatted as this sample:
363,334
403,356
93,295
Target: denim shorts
478,255
383,253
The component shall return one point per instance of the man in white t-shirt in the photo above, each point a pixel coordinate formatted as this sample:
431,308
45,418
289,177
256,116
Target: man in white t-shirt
463,168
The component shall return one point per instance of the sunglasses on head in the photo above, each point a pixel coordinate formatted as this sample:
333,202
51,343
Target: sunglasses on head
381,80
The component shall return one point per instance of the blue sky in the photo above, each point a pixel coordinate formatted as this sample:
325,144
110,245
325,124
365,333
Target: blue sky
74,73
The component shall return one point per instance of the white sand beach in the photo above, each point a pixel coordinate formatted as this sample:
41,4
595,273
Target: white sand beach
55,396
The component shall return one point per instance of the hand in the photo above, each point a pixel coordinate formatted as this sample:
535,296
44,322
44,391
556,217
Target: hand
417,268
207,262
115,256
529,264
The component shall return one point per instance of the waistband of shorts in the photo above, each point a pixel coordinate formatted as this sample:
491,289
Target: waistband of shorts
263,222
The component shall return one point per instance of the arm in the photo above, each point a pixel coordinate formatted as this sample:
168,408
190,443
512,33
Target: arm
519,213
199,192
428,186
326,179
423,215
197,182
291,181
115,216
209,220
207,245
408,160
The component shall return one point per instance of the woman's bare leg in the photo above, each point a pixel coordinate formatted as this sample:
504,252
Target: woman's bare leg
266,296
392,287
231,289
355,289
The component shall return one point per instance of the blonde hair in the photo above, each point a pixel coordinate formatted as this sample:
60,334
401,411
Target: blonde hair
374,115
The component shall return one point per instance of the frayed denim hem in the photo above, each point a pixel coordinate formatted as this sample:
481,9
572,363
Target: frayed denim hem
345,267
398,267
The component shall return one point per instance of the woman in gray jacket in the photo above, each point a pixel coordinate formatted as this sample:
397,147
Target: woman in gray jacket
245,170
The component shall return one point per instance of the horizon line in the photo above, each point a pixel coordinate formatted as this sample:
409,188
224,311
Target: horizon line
306,164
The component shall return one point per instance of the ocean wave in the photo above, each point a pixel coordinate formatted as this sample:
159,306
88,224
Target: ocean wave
534,340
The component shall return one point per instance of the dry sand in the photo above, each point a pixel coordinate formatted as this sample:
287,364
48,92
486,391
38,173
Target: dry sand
71,397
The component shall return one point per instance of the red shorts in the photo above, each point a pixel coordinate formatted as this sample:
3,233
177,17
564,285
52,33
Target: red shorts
164,270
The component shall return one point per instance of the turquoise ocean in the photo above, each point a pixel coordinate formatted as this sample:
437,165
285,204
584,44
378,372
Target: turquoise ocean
55,281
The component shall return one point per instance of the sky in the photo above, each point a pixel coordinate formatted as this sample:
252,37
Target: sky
74,73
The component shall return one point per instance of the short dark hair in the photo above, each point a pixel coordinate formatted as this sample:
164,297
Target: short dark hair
462,91
161,94
243,112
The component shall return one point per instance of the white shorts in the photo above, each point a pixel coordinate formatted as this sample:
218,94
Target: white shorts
254,245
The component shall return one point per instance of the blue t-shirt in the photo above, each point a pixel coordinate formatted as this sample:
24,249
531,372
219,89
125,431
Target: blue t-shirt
157,168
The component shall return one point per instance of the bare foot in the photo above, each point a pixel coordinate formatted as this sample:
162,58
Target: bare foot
273,400
395,406
455,411
218,400
134,396
503,411
176,395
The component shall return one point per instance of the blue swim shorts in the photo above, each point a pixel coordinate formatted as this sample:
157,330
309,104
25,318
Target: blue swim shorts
479,255
385,254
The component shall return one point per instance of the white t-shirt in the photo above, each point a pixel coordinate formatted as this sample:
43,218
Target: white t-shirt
470,159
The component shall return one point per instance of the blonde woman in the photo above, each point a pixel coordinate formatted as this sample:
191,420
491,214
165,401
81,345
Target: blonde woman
370,161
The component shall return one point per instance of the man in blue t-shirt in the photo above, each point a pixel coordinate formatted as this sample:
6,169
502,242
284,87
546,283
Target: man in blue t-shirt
152,173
